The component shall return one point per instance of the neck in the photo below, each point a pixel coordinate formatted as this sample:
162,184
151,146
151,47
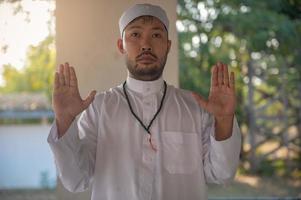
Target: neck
145,78
145,87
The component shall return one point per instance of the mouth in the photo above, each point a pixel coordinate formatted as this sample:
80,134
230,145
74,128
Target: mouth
146,58
146,61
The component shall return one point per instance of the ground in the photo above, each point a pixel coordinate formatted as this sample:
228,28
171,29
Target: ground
244,187
255,186
27,194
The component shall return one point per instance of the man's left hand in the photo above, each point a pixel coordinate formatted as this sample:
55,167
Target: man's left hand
222,100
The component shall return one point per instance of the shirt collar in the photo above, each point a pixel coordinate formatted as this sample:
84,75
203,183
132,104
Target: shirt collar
145,87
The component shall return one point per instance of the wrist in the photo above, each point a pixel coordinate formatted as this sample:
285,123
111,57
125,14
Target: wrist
64,118
63,123
223,127
224,119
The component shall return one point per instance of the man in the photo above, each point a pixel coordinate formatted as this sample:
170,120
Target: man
144,139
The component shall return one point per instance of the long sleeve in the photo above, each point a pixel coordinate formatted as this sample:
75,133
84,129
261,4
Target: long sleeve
220,158
74,153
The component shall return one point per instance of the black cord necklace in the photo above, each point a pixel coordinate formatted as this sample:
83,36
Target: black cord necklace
146,128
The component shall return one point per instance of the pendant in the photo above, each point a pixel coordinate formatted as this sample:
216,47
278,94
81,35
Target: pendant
152,145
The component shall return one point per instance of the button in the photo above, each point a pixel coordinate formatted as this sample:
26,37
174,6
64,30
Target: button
147,89
148,103
145,140
147,158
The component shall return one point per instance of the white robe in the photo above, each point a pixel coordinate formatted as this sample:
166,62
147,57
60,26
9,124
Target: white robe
106,147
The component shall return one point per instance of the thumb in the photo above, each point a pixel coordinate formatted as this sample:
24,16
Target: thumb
89,99
201,101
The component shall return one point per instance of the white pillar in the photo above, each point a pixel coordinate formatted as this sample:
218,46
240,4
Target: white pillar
86,37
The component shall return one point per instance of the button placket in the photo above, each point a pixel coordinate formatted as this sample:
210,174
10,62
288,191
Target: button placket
148,108
147,169
148,154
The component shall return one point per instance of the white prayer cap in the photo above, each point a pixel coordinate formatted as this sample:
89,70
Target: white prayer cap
142,10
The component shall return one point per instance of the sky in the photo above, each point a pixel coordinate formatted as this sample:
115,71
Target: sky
19,31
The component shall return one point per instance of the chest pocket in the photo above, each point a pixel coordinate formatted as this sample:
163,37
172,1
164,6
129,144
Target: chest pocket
180,152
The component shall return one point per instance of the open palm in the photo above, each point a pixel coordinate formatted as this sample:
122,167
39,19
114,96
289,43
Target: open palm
221,101
67,103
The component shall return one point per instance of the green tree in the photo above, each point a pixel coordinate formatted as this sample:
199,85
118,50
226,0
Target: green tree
261,41
37,73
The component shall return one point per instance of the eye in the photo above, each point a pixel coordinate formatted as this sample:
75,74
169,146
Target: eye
134,34
157,35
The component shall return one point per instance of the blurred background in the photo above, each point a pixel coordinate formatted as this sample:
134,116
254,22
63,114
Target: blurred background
259,40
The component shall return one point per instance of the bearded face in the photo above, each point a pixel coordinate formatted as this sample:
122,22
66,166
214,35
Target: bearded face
145,45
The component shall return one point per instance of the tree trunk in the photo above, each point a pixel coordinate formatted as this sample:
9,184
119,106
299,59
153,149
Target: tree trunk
251,117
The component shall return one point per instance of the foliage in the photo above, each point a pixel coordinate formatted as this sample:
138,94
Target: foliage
261,42
37,74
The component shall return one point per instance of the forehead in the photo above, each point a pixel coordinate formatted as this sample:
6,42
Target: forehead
146,20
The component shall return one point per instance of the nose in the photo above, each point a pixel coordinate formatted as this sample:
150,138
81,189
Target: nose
146,46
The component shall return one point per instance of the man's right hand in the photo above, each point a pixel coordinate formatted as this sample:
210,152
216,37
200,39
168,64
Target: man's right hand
66,100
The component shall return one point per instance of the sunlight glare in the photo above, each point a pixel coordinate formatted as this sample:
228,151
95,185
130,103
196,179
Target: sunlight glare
19,31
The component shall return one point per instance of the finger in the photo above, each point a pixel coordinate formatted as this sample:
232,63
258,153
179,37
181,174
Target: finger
219,73
73,78
89,99
61,75
201,101
232,80
67,74
56,80
214,76
226,75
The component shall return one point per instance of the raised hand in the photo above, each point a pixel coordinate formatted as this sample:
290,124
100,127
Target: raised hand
66,100
222,100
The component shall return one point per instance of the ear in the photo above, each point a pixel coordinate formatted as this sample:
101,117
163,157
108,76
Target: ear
120,46
168,45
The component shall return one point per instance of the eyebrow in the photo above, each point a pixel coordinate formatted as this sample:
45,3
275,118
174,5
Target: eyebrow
139,27
158,28
132,27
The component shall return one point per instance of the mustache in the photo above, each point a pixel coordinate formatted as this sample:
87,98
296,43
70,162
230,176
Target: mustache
146,53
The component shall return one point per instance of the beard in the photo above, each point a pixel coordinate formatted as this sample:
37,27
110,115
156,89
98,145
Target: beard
147,72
